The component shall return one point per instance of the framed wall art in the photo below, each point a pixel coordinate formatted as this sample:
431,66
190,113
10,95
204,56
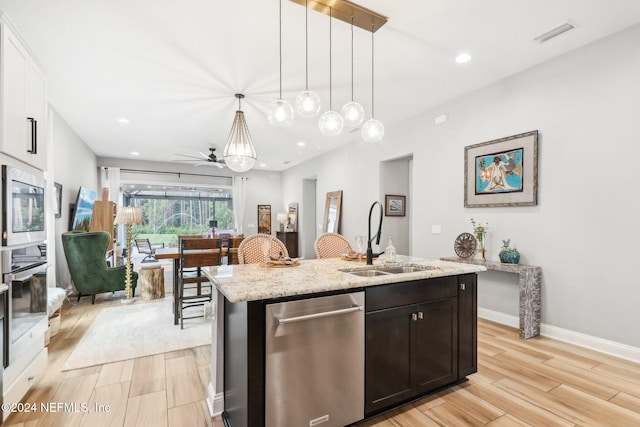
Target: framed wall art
502,172
264,219
395,205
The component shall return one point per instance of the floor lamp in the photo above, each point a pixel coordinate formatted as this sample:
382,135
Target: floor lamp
128,215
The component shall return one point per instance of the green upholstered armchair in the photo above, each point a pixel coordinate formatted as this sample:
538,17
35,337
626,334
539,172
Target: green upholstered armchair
85,253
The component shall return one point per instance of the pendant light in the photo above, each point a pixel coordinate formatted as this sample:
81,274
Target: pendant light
352,112
330,122
372,130
307,102
239,153
280,111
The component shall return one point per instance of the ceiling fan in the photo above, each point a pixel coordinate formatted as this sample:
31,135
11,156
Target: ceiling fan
203,159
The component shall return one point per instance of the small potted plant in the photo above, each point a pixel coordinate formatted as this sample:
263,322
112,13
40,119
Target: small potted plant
509,255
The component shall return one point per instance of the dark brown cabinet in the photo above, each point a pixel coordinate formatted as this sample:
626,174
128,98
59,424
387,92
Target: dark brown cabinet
411,345
290,240
467,325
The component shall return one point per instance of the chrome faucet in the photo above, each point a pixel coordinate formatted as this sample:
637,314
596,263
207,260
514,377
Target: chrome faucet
377,235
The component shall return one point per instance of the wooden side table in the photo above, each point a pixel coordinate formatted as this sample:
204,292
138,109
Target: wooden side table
290,240
152,282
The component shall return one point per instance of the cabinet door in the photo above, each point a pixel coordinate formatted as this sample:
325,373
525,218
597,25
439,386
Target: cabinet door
468,325
14,88
36,104
388,357
435,361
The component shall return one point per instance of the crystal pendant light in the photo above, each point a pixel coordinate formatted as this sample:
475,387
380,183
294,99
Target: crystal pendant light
239,153
352,112
307,102
280,111
372,130
330,122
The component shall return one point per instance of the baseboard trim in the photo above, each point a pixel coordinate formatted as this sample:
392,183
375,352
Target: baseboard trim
215,402
611,348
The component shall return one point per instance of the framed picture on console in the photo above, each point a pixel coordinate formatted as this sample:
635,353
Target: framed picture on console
264,219
502,172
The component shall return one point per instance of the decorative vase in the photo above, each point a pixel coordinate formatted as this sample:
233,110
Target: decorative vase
480,237
511,256
508,255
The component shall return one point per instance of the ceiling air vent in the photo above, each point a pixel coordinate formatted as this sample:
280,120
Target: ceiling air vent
555,32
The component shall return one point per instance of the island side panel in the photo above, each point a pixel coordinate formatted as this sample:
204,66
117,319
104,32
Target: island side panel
244,337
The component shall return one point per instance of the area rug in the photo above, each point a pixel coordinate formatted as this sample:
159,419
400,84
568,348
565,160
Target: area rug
136,330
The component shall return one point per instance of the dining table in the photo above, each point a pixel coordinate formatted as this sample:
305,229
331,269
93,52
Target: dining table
173,253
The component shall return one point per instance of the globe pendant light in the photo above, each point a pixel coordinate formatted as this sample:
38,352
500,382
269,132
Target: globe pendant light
307,102
239,153
280,111
352,112
372,130
330,122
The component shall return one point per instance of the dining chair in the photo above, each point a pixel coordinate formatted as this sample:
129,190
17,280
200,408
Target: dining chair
250,250
196,254
144,246
232,252
331,245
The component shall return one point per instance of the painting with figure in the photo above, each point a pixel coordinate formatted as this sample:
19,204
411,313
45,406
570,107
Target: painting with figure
499,172
264,219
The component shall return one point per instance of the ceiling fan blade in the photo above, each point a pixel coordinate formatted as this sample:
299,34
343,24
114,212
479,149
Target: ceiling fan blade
188,156
187,160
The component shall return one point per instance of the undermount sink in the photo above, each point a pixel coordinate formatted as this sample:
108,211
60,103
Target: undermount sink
369,273
374,271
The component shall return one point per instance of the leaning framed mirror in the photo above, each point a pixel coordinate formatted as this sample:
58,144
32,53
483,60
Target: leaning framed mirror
332,210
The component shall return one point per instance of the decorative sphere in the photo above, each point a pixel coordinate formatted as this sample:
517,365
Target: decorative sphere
353,114
372,130
308,103
331,123
280,113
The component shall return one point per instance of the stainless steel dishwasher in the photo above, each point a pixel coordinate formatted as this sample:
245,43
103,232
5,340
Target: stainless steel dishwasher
315,361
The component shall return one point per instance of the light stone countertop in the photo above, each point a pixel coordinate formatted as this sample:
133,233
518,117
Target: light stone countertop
254,282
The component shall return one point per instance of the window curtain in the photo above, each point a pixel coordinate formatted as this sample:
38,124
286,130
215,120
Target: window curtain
239,187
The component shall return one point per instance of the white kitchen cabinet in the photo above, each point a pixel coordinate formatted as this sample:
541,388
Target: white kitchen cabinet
23,100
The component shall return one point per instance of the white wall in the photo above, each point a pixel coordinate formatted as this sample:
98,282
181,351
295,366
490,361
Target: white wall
74,165
586,106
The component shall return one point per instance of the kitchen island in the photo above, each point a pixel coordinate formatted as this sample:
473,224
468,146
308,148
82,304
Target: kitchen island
382,338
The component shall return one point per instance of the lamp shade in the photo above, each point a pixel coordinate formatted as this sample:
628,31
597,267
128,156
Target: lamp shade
129,215
282,217
280,113
353,114
239,153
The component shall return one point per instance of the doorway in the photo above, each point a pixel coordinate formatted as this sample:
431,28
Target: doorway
308,218
396,179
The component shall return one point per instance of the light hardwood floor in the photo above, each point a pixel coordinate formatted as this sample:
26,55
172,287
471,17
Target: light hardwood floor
538,382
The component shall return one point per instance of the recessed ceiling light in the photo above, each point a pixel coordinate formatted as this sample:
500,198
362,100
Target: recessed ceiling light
263,165
123,120
301,144
135,153
463,58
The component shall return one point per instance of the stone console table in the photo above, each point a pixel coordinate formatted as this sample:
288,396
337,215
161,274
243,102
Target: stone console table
529,285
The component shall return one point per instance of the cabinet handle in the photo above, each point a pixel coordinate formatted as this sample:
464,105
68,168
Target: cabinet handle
30,378
414,317
34,135
463,286
420,315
